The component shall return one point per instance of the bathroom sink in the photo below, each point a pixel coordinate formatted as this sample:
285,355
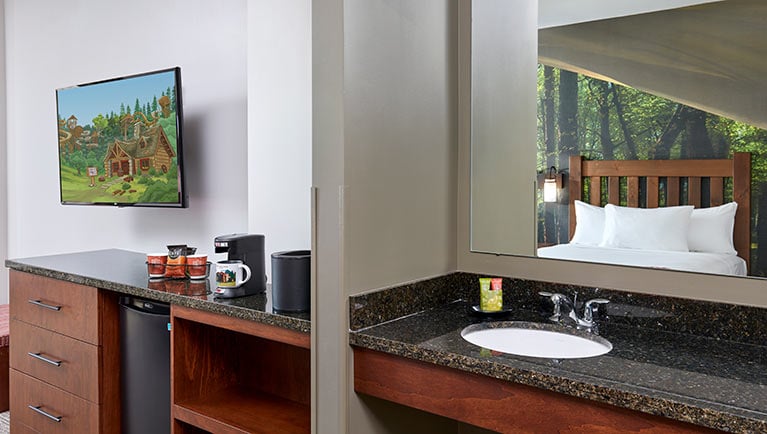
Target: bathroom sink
536,340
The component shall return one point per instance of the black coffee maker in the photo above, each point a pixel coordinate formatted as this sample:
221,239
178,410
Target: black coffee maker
249,249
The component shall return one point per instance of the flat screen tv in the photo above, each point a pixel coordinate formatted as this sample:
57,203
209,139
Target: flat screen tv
120,141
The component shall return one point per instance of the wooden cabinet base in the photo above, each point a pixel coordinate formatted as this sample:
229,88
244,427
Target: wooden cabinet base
495,404
236,376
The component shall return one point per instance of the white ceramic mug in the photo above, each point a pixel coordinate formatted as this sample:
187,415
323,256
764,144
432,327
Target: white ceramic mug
231,274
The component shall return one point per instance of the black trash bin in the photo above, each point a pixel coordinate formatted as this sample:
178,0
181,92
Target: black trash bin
290,280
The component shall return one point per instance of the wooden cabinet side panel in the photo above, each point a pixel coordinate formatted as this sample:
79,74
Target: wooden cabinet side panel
495,404
78,316
110,411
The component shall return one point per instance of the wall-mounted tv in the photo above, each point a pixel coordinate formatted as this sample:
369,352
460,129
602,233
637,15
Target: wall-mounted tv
120,141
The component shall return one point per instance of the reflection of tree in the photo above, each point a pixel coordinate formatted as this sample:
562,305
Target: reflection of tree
601,120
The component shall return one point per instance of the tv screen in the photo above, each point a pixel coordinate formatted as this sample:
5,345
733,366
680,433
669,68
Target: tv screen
120,141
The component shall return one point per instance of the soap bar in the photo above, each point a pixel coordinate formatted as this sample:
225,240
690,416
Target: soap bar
490,294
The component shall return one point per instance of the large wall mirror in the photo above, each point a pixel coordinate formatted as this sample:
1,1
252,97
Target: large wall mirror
651,145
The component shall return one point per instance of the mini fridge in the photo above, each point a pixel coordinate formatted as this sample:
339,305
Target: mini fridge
145,366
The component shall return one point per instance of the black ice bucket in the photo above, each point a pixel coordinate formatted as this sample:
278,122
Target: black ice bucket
291,280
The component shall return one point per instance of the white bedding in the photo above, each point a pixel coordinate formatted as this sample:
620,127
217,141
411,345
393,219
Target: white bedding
716,263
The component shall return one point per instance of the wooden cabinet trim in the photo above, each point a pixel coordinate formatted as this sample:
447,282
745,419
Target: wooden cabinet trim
274,333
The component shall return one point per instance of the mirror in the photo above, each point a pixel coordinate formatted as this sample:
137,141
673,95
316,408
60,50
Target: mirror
696,64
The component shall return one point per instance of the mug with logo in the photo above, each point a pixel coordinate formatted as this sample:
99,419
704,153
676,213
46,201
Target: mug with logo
231,273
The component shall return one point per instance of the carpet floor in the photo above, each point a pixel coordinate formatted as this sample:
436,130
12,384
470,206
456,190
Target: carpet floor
5,422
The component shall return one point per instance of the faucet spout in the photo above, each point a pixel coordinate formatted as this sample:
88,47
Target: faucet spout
565,310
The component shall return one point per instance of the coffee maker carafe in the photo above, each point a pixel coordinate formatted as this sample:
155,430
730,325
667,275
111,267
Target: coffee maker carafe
249,249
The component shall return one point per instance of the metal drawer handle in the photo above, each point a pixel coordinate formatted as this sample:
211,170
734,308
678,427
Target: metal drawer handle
47,306
45,413
39,356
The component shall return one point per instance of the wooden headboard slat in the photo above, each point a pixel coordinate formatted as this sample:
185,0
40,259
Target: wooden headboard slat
693,191
680,168
633,191
717,191
595,191
613,189
739,169
652,191
672,191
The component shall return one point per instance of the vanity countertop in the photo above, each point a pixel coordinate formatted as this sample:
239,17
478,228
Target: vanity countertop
706,381
125,272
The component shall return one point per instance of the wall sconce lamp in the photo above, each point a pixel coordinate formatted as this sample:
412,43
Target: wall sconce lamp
551,185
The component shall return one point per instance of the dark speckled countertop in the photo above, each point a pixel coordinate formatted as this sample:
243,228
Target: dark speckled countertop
125,272
705,380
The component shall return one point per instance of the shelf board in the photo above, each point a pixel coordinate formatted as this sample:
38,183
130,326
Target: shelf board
244,411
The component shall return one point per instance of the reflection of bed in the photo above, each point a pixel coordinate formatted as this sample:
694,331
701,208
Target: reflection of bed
662,183
716,263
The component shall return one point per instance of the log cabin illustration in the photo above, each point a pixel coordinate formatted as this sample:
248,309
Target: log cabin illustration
148,148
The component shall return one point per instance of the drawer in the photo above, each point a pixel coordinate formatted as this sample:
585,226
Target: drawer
63,307
20,428
76,414
78,361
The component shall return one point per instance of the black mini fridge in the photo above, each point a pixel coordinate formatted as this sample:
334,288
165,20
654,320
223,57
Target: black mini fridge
145,366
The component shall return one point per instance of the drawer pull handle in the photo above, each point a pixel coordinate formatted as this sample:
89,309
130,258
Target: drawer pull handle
39,356
45,413
47,306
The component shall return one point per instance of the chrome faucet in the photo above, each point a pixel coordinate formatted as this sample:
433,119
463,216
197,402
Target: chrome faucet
565,310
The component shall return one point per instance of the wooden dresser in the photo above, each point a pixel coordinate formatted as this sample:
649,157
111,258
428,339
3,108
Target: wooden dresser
64,357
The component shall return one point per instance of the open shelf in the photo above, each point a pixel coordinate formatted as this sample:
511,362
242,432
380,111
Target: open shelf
237,411
235,376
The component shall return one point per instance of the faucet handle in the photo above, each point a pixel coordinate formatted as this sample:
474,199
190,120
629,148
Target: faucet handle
591,306
556,298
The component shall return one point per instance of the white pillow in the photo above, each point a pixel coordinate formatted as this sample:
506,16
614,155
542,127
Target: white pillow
589,224
711,229
647,228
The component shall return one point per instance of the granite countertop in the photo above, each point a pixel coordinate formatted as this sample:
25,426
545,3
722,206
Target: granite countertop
707,381
125,272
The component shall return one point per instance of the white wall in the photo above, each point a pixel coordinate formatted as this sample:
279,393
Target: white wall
3,166
279,123
53,43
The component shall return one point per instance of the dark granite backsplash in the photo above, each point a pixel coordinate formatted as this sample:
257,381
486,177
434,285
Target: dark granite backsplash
716,320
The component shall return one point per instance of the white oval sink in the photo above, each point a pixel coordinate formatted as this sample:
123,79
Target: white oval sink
536,340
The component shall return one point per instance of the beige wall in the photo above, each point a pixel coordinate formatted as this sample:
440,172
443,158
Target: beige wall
385,169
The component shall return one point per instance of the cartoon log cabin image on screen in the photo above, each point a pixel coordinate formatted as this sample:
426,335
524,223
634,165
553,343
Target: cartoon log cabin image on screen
127,152
147,149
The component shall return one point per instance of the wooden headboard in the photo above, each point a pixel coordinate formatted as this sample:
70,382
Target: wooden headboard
667,178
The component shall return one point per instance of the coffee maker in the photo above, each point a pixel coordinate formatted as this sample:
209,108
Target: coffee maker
249,249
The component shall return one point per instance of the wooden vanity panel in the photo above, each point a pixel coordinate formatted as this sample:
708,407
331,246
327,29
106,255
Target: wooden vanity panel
78,316
79,368
496,404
